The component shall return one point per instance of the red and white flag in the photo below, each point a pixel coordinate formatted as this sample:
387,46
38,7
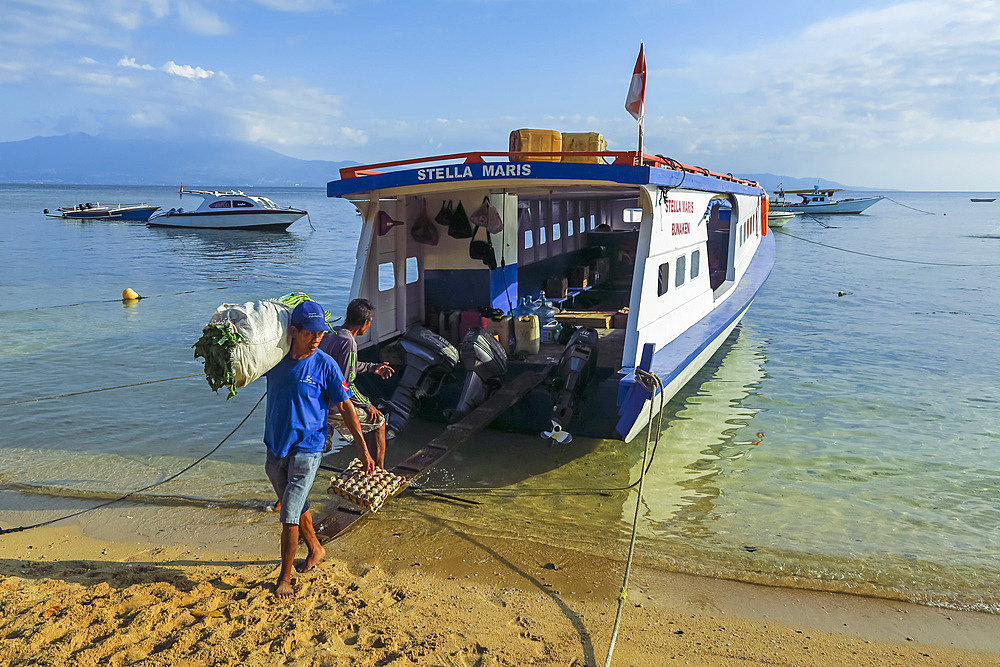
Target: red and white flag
635,103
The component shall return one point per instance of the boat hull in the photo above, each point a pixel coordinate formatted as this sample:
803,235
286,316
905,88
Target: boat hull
845,206
678,361
255,220
128,214
777,219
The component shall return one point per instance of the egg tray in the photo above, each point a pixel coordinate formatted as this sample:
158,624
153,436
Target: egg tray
368,491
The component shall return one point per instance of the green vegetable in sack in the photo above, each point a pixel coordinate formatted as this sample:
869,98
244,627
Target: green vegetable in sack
215,347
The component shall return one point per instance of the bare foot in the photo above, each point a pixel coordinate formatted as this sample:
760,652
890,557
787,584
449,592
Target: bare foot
311,561
283,589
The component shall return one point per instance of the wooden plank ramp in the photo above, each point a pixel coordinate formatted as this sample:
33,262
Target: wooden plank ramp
343,514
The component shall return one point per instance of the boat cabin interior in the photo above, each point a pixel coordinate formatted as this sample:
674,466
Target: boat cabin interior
567,255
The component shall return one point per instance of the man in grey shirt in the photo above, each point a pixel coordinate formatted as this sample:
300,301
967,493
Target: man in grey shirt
342,346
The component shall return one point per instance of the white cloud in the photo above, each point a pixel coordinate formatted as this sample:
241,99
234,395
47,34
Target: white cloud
87,61
130,62
857,88
187,71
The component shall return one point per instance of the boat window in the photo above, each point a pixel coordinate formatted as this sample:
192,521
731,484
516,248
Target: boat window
663,281
412,270
583,224
528,241
386,277
569,228
221,204
239,203
555,231
695,263
593,221
680,271
541,236
632,215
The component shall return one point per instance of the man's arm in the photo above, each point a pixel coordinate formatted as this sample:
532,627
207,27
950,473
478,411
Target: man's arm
353,424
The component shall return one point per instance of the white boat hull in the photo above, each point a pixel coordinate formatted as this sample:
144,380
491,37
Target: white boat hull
842,206
260,220
777,219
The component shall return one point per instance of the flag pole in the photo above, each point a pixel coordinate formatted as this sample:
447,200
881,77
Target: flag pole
635,103
641,119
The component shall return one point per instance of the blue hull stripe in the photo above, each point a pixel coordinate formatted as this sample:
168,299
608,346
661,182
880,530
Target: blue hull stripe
674,358
457,174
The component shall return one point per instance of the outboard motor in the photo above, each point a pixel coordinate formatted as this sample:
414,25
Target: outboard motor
428,360
576,367
485,364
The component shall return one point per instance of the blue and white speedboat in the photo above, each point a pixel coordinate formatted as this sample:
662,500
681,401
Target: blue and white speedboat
128,212
655,261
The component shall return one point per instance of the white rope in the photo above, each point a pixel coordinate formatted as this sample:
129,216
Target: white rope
638,502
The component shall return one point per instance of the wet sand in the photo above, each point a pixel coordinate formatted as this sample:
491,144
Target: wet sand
133,585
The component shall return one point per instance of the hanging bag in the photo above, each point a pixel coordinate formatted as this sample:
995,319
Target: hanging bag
423,230
444,216
459,227
487,216
482,250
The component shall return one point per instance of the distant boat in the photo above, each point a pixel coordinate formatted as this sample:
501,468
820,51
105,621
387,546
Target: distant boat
820,201
984,199
229,210
778,219
129,212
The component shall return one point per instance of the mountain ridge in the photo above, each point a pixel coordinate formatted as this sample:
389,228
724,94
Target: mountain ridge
83,159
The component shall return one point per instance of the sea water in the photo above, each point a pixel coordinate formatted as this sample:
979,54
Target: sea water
844,438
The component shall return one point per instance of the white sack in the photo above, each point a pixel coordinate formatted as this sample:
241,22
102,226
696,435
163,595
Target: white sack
264,325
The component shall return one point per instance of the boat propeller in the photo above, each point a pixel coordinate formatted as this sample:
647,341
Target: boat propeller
557,434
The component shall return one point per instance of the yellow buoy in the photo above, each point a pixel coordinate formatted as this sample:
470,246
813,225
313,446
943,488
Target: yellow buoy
129,294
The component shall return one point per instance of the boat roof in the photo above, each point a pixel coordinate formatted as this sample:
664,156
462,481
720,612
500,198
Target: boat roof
216,193
501,169
811,191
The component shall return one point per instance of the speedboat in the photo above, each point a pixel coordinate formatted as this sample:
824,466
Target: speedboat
130,212
820,201
643,265
228,210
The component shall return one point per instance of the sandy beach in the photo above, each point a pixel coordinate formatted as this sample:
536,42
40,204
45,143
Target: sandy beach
132,585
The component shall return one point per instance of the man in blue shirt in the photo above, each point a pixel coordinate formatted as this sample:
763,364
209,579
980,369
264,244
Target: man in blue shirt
301,389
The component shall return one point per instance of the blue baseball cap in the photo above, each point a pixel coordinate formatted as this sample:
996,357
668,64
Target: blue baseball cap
310,316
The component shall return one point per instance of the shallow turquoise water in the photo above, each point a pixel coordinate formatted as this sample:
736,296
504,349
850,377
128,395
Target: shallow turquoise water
839,442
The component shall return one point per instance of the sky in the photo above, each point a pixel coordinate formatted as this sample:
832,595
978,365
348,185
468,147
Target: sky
871,93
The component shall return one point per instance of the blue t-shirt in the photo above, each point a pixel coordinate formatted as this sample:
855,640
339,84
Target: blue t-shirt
299,392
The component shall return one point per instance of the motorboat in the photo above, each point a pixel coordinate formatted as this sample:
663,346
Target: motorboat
820,201
228,210
778,218
644,267
91,211
983,199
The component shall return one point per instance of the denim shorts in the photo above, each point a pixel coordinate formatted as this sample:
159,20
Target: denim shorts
292,478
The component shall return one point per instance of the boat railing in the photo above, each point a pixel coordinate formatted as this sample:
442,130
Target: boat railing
630,158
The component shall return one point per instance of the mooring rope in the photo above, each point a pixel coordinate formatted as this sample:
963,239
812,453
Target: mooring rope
868,254
141,298
910,207
4,531
94,391
656,384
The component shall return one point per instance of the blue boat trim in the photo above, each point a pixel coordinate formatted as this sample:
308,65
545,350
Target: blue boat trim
526,171
670,361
